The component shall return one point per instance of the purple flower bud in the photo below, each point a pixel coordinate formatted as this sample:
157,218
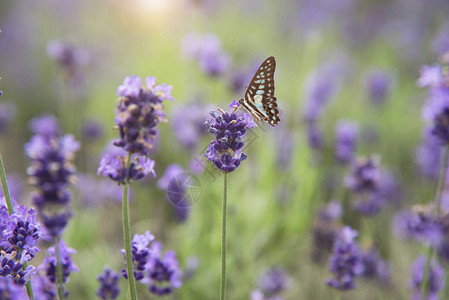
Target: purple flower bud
378,85
109,287
345,262
116,168
49,263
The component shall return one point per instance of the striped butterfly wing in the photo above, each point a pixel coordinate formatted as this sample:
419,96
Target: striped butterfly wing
259,99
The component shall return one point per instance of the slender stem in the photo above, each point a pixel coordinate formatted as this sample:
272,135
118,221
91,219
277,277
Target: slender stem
442,179
426,271
10,207
59,276
127,238
439,188
223,238
5,188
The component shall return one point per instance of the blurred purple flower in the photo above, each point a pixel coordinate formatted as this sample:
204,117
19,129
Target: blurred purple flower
45,125
346,138
325,230
138,111
94,192
435,278
9,290
270,284
421,226
51,172
374,267
92,130
162,271
15,185
428,155
116,168
207,51
430,76
70,58
192,265
365,175
315,136
65,255
188,124
346,261
378,85
7,114
176,182
109,284
43,289
225,151
321,87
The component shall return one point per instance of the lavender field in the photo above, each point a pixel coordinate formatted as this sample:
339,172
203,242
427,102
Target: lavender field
260,150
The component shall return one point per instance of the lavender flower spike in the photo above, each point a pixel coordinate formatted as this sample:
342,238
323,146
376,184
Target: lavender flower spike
163,272
435,278
109,288
49,263
138,111
345,141
225,151
346,261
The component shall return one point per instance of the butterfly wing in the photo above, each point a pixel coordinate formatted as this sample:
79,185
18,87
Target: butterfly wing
259,98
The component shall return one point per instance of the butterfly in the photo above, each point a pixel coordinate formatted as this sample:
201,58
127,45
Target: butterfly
259,100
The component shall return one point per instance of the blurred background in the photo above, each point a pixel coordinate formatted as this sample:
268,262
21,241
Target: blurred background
346,74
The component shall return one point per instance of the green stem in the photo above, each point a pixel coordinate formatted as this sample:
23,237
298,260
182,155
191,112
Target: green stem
223,238
439,188
59,276
441,179
127,238
5,188
10,207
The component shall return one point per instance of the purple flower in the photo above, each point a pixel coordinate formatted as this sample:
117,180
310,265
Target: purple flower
44,125
21,231
175,182
9,290
163,272
140,247
321,87
51,172
346,261
270,284
109,287
346,136
374,267
92,130
116,168
430,76
65,255
378,85
94,192
71,59
365,175
315,136
225,151
325,230
428,155
188,124
138,111
43,289
11,266
419,225
207,51
435,278
7,114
